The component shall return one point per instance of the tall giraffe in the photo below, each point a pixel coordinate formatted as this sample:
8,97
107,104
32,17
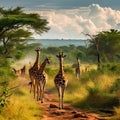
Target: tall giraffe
40,78
77,69
60,80
33,70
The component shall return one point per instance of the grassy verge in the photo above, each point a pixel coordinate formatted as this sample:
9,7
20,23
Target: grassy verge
20,105
94,91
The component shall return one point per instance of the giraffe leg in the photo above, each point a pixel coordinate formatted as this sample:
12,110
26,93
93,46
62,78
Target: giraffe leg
37,92
43,89
30,86
63,89
42,97
60,93
34,90
77,76
40,91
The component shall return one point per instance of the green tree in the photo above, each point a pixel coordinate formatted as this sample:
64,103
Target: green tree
17,26
110,43
95,47
105,45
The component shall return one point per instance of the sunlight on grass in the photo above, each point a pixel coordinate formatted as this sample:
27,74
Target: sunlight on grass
92,91
21,106
104,82
116,116
21,109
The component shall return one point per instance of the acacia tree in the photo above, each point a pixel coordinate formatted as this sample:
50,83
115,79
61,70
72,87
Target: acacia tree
17,26
105,45
95,47
110,43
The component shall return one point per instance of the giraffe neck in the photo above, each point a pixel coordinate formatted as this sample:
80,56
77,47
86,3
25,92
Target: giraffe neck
42,67
78,63
36,64
61,67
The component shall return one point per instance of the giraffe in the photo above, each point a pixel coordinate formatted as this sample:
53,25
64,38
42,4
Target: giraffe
17,72
33,70
40,78
60,80
86,68
77,69
23,70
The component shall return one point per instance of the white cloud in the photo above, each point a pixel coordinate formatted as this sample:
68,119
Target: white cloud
71,22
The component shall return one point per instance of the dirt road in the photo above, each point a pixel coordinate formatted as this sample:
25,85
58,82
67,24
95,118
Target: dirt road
51,111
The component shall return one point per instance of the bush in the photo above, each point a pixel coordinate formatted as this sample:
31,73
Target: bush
115,86
18,55
111,68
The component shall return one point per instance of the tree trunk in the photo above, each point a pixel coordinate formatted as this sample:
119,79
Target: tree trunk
98,55
5,46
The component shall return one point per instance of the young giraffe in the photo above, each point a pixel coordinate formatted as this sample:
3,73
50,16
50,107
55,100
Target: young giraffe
60,80
17,72
23,70
33,70
40,78
77,69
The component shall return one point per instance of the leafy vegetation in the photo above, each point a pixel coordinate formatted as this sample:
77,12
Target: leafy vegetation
105,45
16,27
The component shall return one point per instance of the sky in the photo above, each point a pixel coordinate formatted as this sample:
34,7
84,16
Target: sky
69,19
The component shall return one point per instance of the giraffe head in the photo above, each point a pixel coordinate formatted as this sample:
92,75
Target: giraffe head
61,55
78,59
36,63
47,60
38,50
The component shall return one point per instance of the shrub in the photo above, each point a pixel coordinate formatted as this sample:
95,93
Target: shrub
111,68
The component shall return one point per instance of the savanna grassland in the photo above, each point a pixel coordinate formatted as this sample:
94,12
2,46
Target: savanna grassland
96,91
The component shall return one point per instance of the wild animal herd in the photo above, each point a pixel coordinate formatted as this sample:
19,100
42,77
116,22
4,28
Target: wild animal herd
38,76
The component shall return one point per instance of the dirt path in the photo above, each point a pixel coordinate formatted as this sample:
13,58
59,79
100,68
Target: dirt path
51,111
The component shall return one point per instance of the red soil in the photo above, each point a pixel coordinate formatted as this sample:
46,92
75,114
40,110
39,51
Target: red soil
52,112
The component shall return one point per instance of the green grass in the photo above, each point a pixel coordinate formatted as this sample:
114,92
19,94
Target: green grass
91,92
20,105
95,90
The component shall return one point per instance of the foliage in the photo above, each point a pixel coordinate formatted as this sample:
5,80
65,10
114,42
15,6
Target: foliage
105,45
20,107
5,94
113,68
116,86
17,26
6,75
116,116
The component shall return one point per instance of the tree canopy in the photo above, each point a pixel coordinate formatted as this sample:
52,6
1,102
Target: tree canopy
105,44
17,26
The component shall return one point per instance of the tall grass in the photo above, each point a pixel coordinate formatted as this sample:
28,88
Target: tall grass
92,91
20,105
